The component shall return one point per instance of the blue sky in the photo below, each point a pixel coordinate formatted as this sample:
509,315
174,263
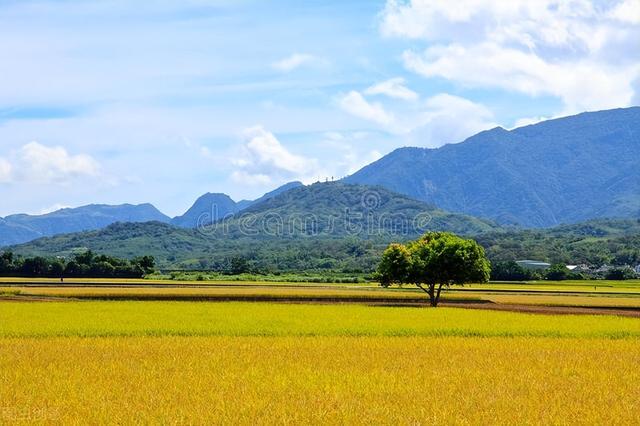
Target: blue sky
161,101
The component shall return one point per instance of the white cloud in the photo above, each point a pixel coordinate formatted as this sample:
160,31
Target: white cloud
627,11
450,119
394,88
574,50
438,120
5,171
543,22
263,159
582,85
349,153
294,61
53,208
527,121
355,163
42,164
257,179
355,104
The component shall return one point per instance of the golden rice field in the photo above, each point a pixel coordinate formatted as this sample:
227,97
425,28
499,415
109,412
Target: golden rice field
138,318
319,380
123,362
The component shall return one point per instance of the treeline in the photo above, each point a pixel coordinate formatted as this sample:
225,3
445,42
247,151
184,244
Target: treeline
568,248
82,265
511,271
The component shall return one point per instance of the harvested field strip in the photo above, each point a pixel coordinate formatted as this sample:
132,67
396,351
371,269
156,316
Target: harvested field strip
235,294
564,300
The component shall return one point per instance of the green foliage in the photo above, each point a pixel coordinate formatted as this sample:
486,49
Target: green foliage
511,271
82,265
395,265
620,274
557,272
437,259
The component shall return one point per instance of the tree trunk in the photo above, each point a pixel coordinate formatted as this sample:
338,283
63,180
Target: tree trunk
438,295
431,292
432,295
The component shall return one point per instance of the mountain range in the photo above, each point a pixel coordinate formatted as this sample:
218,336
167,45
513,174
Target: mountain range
347,221
565,170
20,228
558,171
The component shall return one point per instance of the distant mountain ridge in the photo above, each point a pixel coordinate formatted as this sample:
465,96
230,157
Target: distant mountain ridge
565,170
20,228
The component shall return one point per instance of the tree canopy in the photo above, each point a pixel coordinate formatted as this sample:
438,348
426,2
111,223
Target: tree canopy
81,265
436,260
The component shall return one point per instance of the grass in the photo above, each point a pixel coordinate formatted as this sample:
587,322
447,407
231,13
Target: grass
90,319
319,380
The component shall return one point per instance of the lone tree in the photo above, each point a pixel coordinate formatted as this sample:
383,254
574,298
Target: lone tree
436,260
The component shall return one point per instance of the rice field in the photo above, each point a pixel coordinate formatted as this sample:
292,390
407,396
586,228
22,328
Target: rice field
319,380
123,362
137,318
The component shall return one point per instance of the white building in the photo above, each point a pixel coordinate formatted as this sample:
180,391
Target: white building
533,264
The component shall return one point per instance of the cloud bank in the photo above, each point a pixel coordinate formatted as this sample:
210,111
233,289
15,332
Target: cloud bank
575,50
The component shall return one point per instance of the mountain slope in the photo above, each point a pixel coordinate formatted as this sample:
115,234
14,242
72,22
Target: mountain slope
243,204
559,171
19,228
339,209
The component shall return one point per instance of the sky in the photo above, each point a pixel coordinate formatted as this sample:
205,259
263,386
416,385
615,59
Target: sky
162,101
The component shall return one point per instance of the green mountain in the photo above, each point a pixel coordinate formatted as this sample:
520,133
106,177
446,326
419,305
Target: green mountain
339,209
566,170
